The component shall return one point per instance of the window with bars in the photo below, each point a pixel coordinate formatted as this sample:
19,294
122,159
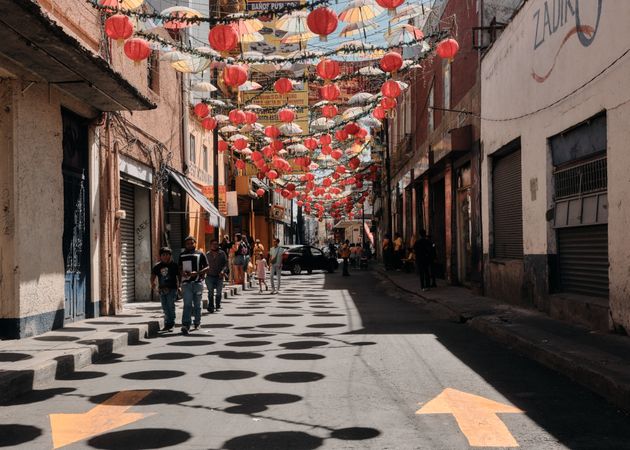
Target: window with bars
585,178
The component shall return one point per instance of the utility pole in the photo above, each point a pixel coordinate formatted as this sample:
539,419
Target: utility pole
215,160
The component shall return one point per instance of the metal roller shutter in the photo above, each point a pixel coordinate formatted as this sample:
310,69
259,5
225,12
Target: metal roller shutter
583,258
127,254
507,206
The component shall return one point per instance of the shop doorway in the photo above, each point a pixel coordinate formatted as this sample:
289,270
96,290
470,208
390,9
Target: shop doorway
464,225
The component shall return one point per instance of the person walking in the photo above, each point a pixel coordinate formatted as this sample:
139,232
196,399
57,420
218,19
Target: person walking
261,271
275,258
217,265
399,251
258,250
388,251
422,249
192,267
345,254
240,250
166,273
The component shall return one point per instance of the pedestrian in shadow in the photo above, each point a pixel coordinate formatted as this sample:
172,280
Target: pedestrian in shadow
423,250
345,254
388,251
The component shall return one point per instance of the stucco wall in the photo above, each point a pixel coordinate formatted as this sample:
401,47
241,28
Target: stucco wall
530,75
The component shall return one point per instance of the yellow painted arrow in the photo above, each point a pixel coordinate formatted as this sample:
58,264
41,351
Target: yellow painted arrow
476,417
69,428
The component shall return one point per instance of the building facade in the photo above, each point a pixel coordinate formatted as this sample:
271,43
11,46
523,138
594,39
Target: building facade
554,171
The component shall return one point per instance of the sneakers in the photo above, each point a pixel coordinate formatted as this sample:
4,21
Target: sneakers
184,330
167,328
196,327
211,311
273,292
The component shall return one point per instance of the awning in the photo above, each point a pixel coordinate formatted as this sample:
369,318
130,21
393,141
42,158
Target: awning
215,219
36,44
259,184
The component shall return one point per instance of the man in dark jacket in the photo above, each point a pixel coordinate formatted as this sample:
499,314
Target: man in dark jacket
423,249
217,265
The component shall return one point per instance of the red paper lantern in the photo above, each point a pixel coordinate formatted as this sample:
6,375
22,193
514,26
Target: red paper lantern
272,132
286,115
272,174
283,86
388,103
340,169
326,149
240,144
327,182
240,164
379,113
311,143
329,92
325,139
201,110
277,145
322,21
390,5
391,89
328,69
257,156
234,75
236,116
391,62
268,151
209,123
119,27
300,203
352,128
361,134
336,154
250,117
137,49
329,111
223,146
354,163
223,38
341,135
447,49
260,192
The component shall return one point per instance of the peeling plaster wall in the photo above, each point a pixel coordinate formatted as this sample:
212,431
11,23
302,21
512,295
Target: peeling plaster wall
510,89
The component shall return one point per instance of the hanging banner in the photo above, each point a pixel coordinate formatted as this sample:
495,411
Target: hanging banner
232,203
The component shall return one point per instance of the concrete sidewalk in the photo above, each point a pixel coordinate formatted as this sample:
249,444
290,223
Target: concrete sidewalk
35,362
598,361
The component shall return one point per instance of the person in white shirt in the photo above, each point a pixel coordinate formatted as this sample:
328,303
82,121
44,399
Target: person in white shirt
275,258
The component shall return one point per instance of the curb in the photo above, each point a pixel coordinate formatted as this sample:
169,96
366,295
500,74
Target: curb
613,386
52,365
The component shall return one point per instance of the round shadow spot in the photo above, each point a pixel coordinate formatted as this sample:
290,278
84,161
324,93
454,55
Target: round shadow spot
13,357
236,355
105,322
112,358
255,335
294,377
36,396
323,307
170,356
255,403
156,397
76,376
15,434
276,325
355,433
217,325
244,328
77,329
290,301
238,315
56,338
249,307
144,438
326,325
247,343
300,356
360,343
286,315
290,307
303,345
228,375
153,375
313,334
328,315
190,343
274,440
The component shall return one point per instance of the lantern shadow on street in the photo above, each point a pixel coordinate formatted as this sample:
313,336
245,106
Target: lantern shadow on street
12,434
228,375
170,356
294,377
236,355
144,438
300,356
274,440
256,403
153,375
247,343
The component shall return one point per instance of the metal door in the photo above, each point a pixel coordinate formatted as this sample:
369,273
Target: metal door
127,243
76,235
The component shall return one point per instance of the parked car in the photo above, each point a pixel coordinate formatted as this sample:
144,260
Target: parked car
297,258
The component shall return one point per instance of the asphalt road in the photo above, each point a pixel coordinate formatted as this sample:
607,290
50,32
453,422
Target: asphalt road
332,362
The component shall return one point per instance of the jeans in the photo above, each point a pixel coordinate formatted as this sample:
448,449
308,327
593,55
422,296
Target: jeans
345,267
214,283
168,297
423,271
275,271
192,302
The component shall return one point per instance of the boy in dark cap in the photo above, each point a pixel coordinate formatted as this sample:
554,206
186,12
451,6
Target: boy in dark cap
166,273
